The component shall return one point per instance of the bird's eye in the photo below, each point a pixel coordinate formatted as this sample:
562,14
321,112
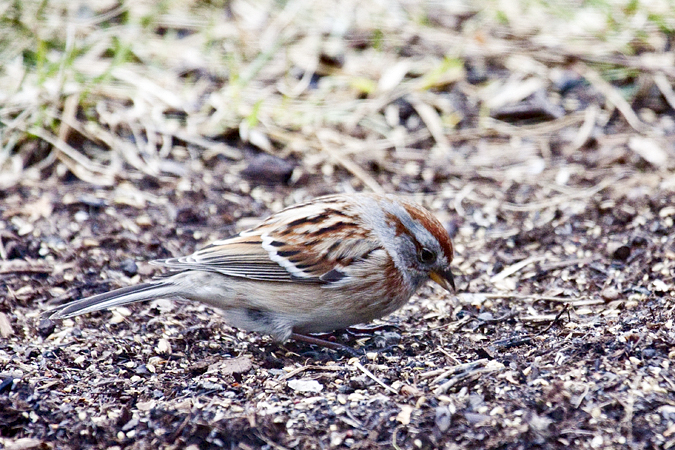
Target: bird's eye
426,256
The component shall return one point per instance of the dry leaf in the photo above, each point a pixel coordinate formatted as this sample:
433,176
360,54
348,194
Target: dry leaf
234,365
305,385
5,326
404,415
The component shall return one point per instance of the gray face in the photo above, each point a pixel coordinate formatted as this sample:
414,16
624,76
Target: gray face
414,249
421,252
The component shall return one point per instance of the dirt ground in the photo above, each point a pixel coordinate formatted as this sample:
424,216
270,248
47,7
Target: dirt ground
553,169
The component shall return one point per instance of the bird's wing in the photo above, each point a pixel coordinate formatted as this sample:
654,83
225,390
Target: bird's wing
306,244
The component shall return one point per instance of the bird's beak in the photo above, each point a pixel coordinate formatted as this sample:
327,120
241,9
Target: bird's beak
445,279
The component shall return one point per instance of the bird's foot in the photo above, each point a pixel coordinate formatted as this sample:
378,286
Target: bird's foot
327,344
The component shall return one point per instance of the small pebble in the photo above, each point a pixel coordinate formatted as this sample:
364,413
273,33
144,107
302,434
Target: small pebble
129,267
622,253
163,346
45,327
486,316
610,294
81,216
6,384
443,418
269,170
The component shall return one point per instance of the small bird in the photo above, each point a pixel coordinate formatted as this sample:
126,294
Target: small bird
314,267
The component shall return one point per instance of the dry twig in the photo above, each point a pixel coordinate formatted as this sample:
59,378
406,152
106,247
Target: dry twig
370,375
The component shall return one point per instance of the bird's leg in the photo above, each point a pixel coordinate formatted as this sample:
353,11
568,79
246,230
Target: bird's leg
324,343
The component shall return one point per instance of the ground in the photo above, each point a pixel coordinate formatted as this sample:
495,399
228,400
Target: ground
541,136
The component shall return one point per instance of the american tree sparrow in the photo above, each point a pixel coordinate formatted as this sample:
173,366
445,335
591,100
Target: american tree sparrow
314,267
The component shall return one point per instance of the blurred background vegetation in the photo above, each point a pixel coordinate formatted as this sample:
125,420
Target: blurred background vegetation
109,90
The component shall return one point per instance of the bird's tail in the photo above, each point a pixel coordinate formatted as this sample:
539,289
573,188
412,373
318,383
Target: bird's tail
118,297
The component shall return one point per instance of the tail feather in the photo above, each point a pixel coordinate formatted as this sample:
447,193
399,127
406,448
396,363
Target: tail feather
118,297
